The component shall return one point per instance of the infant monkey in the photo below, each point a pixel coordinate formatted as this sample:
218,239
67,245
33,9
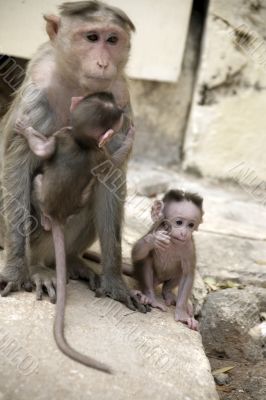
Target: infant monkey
72,152
66,181
166,254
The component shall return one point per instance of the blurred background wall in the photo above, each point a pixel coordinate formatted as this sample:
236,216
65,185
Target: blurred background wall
197,76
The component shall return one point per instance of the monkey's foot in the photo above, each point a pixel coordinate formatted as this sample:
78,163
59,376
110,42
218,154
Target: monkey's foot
155,303
78,268
143,299
7,286
169,298
115,288
44,280
182,315
13,279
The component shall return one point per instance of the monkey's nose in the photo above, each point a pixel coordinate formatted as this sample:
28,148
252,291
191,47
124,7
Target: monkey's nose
102,65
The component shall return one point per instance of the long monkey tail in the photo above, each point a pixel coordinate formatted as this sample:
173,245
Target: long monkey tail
60,258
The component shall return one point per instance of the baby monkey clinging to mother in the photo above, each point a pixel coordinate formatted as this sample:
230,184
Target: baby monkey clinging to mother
66,182
166,254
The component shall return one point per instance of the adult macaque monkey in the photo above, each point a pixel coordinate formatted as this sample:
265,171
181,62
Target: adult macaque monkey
166,254
87,52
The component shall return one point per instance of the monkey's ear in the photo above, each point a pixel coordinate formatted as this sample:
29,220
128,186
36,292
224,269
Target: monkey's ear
52,25
105,137
75,102
157,210
200,221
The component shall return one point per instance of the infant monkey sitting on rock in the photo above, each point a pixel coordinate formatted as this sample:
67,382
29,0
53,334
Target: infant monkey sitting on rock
166,254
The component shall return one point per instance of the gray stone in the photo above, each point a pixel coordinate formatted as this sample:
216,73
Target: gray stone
230,325
221,379
199,293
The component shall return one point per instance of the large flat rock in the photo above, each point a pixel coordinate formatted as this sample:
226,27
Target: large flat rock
152,356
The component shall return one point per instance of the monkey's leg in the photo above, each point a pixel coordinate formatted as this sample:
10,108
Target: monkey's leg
183,310
78,268
168,295
42,146
109,216
81,234
145,275
14,274
42,263
18,167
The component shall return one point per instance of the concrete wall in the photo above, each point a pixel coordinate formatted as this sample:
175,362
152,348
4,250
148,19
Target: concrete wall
162,109
157,46
226,137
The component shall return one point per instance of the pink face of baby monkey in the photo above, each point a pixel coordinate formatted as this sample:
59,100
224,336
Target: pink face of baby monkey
184,217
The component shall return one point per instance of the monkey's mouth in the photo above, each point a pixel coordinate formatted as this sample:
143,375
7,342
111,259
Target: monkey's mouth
99,76
178,239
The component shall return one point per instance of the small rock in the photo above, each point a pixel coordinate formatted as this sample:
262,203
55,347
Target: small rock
230,325
199,293
221,379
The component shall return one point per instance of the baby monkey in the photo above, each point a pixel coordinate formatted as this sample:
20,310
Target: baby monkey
166,254
66,181
72,152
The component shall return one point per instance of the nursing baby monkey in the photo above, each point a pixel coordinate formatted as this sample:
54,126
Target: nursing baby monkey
166,254
69,156
71,153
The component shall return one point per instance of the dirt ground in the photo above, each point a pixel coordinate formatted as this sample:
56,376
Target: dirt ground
246,379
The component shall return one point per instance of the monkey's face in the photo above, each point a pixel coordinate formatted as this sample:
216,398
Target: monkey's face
184,217
94,50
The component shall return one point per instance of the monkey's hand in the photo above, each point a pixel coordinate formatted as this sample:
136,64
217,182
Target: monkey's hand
161,240
44,280
116,288
182,315
21,124
13,279
143,299
131,133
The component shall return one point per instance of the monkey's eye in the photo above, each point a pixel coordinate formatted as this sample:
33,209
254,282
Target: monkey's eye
112,39
179,222
191,225
92,37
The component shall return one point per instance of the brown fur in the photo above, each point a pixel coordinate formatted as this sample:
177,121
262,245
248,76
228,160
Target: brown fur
166,254
71,64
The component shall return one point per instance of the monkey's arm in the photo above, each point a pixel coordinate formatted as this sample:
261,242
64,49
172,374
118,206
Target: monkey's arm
39,144
155,240
186,285
182,313
142,247
18,168
144,272
121,155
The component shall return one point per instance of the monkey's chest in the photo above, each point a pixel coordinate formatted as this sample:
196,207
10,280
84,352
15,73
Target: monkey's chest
167,263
